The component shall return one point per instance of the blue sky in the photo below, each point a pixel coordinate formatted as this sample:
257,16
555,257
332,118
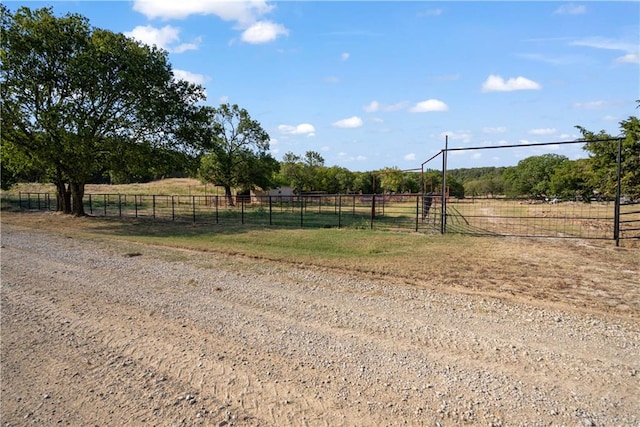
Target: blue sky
379,84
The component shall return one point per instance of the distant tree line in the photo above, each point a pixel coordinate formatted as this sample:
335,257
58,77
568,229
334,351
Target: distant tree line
84,105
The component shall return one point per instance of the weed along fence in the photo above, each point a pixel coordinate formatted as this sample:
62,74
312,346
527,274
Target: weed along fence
411,212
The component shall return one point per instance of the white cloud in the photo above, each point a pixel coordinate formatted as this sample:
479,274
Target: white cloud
301,129
631,48
371,107
345,56
273,146
346,157
263,32
458,135
374,106
410,156
428,106
246,14
190,77
164,38
349,123
331,79
224,99
590,105
543,131
570,9
494,130
430,12
554,60
629,58
495,83
604,43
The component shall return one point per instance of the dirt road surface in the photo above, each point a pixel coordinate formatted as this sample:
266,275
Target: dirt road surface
109,333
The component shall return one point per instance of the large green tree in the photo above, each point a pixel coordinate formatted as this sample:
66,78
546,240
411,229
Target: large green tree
72,94
572,180
532,176
337,180
603,152
236,151
303,173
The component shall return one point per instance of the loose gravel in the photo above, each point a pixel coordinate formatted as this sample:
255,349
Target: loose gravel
112,333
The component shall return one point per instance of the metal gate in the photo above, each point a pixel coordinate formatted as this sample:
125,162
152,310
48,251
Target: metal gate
610,220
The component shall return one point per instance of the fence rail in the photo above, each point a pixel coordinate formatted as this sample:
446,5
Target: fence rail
386,212
409,212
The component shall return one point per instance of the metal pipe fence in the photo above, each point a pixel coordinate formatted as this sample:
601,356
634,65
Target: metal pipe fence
397,212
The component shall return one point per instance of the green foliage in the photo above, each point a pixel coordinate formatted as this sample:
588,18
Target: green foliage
147,163
571,181
236,151
72,95
532,176
390,180
304,174
483,181
337,180
363,182
603,155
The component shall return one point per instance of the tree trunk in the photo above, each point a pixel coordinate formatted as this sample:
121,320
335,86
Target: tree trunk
63,195
227,193
77,192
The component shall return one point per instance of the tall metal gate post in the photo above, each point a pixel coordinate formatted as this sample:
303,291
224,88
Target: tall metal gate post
443,216
616,219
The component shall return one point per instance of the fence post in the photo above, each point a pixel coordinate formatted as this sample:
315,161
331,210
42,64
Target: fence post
135,204
193,207
29,201
153,204
616,220
90,205
373,209
105,205
417,211
340,211
270,210
301,211
242,210
38,201
173,208
217,208
443,215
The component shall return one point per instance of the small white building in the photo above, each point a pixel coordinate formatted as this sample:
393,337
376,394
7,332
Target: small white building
281,194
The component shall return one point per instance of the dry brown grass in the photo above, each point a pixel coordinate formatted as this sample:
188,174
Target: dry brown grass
170,186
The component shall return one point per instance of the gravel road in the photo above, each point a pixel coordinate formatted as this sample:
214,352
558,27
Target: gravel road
111,333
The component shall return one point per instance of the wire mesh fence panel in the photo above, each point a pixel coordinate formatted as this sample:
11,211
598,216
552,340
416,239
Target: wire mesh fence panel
531,218
630,221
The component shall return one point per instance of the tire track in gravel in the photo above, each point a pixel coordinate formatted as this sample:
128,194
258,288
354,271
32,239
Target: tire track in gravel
215,346
176,352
